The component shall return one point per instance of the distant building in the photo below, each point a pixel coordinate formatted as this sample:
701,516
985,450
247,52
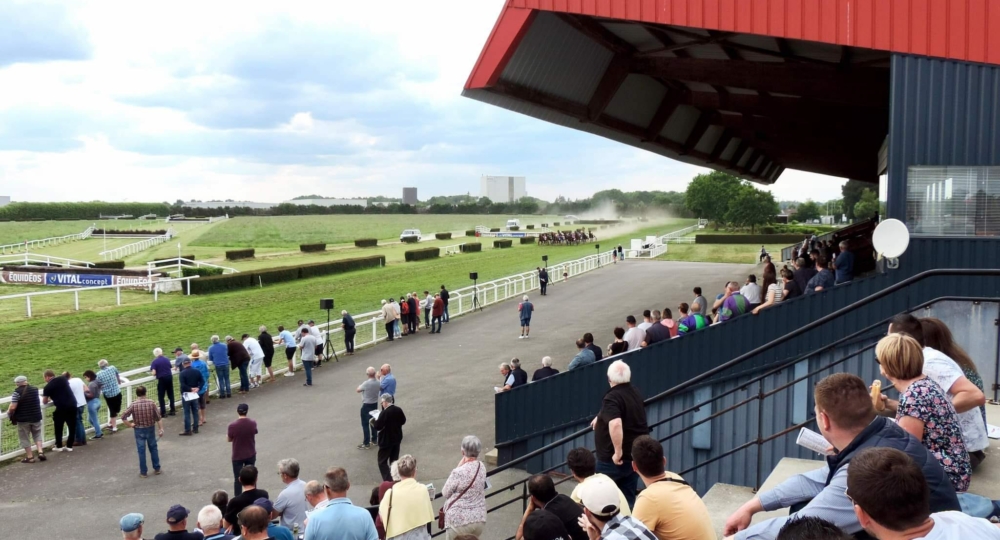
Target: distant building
4,200
409,195
265,206
231,204
502,189
329,202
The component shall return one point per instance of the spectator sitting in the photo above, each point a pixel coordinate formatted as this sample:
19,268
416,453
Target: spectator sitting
804,272
378,493
411,502
177,522
220,499
274,530
603,518
290,506
668,321
811,528
619,345
634,335
340,519
545,371
846,418
584,357
790,287
691,319
545,500
668,506
890,497
210,523
938,336
775,294
254,524
751,291
583,465
733,303
656,332
588,340
131,526
508,378
520,376
316,497
823,278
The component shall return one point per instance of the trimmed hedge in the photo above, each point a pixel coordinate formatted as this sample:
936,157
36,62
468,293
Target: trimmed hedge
275,275
158,232
422,254
500,244
597,221
310,248
204,271
366,242
443,235
555,224
114,265
227,282
244,280
409,239
337,267
237,254
531,226
172,262
514,228
528,240
470,233
495,229
748,238
472,247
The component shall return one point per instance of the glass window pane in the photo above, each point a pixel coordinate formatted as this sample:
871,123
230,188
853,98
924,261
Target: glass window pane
953,201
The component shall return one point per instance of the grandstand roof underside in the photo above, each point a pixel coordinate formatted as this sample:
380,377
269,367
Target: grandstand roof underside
751,87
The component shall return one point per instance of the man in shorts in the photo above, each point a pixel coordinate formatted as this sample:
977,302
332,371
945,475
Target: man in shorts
109,378
524,310
288,340
26,410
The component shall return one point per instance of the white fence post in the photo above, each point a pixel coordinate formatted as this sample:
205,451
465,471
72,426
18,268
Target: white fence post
28,298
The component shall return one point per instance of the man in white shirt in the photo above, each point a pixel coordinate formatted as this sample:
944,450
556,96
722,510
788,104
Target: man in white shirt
77,385
891,500
256,359
647,321
634,335
315,332
751,291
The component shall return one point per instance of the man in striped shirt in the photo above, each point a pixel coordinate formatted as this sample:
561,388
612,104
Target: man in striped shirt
145,416
108,378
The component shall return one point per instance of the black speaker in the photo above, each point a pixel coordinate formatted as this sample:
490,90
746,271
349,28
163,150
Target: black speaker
326,303
473,275
545,257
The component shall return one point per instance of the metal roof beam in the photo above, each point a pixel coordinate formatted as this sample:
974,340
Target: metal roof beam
597,32
612,80
668,105
698,131
720,146
783,53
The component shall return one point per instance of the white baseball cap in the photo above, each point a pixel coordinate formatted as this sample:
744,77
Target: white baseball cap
600,496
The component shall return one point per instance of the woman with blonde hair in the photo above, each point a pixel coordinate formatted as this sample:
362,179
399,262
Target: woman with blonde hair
406,507
924,409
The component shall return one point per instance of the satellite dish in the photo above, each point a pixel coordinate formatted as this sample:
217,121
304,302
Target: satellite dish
891,238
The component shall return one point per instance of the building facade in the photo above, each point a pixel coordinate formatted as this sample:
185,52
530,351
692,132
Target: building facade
4,200
502,189
410,195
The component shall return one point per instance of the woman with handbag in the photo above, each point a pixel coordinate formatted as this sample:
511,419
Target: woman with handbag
406,508
465,492
378,493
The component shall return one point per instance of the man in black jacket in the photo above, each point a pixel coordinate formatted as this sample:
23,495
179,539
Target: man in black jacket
191,381
390,434
444,298
414,306
347,323
26,410
267,345
545,498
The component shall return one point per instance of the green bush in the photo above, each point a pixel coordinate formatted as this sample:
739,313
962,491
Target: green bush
555,224
238,254
531,226
227,282
172,262
597,221
443,235
470,233
114,265
500,244
366,242
767,229
28,211
205,285
204,271
422,254
472,247
99,232
409,239
311,248
275,275
528,240
495,229
748,238
514,228
337,267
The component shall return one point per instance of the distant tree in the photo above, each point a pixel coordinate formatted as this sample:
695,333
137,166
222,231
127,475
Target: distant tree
708,195
751,207
868,206
852,191
807,211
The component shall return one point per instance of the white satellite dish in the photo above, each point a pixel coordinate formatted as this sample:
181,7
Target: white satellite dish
891,238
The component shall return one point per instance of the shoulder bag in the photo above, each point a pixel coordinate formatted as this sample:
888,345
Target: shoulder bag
444,508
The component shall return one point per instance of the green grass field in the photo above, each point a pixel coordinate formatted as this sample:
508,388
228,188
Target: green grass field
719,253
126,335
18,231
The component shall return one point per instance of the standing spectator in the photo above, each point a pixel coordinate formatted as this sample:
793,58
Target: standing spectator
218,354
544,499
465,493
307,353
804,271
145,416
250,493
602,517
288,340
379,494
404,314
733,303
93,403
634,336
389,426
668,506
622,419
256,353
770,274
242,433
389,316
239,357
524,311
163,371
210,524
656,331
267,345
428,305
315,332
844,264
202,367
80,393
26,410
191,381
411,502
508,378
669,322
350,330
131,526
691,319
588,339
774,294
823,279
340,520
790,287
387,381
751,291
619,345
109,378
397,332
647,320
179,357
545,371
584,356
583,466
58,392
439,312
369,391
520,376
414,308
445,295
700,301
177,522
290,506
543,281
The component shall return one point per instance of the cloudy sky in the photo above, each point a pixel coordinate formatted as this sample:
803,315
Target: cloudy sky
158,101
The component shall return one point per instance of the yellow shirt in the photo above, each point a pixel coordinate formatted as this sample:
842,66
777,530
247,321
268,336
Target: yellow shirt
625,510
411,507
673,511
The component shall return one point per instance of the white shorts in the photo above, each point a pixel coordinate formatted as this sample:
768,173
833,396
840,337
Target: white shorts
255,365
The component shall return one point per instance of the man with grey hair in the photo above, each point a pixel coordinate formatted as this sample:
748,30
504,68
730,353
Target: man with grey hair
109,378
844,264
26,410
657,332
508,378
621,420
218,354
316,497
732,304
369,391
210,523
290,505
524,310
389,426
545,371
131,526
389,316
163,370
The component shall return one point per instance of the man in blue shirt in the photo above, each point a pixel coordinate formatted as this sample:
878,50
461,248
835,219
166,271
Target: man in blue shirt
582,358
340,519
202,367
191,382
387,382
286,337
218,354
844,264
163,370
823,279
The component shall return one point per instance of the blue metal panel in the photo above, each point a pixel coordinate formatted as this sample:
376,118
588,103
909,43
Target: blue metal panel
701,436
941,113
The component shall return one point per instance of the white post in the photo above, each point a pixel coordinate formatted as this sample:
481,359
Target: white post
118,295
28,298
156,294
459,304
76,298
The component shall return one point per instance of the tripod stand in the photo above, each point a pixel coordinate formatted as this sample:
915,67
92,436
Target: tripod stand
475,295
328,347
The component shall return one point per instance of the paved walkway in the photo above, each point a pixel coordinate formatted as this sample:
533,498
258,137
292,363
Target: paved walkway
445,387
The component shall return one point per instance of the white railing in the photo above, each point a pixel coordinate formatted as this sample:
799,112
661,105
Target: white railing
679,237
136,247
654,247
156,287
452,250
220,218
29,259
24,247
176,264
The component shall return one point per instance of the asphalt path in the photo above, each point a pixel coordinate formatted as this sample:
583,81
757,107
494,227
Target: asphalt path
445,387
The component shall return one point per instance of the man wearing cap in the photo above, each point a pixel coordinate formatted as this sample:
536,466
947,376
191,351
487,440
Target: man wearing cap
179,357
275,531
145,416
131,526
191,382
243,435
26,410
198,362
601,516
177,519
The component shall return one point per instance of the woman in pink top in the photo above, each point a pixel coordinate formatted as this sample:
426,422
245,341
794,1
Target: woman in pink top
465,492
669,322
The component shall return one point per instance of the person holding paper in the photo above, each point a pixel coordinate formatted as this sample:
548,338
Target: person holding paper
191,381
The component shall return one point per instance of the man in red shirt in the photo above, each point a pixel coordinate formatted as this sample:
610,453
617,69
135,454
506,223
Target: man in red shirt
437,312
243,435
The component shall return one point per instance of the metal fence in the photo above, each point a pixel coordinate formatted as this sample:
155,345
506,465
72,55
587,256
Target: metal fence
26,246
162,285
175,266
29,258
136,247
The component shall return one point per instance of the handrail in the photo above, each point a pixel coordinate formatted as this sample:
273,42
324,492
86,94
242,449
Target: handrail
41,242
28,257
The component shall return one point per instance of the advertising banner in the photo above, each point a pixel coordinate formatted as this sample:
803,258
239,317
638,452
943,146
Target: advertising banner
22,278
14,277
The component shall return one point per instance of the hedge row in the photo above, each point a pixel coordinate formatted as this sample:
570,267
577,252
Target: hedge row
472,247
748,238
500,244
204,271
237,254
495,229
443,235
366,242
309,248
555,224
98,232
597,221
114,265
531,226
422,254
470,233
528,240
226,282
514,228
410,239
30,211
172,262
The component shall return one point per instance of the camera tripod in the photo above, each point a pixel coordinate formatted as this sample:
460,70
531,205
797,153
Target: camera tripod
475,295
328,346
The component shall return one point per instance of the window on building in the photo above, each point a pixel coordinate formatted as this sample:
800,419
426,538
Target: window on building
953,201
